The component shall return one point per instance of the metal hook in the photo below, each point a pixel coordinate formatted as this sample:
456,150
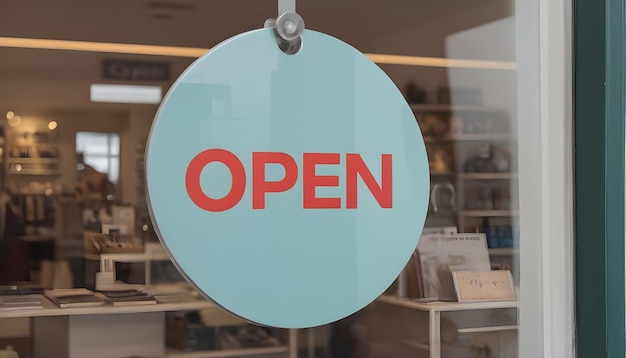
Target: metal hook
286,6
287,27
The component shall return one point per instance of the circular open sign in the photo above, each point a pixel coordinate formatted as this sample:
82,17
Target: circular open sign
289,189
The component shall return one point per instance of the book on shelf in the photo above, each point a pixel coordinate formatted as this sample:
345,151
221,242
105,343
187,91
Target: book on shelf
14,302
414,284
438,256
128,298
172,293
122,293
74,297
21,289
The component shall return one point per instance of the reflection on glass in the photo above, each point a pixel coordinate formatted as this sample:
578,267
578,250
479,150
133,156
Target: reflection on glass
469,124
468,119
100,151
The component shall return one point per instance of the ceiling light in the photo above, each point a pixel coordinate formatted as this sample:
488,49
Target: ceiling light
440,62
52,125
101,47
125,94
10,114
197,52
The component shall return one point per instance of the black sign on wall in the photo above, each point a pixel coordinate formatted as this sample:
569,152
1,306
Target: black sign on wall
131,70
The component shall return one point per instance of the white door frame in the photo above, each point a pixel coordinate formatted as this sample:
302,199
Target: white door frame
545,132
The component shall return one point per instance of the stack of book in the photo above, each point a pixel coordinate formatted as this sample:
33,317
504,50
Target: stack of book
173,293
74,297
18,302
128,298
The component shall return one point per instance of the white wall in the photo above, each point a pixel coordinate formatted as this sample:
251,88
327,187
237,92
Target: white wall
428,37
132,140
493,42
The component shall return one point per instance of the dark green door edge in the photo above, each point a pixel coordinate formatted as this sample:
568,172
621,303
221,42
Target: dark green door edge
614,162
599,95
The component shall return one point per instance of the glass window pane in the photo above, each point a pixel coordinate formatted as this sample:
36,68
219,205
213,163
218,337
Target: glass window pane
114,143
114,166
460,73
101,151
92,143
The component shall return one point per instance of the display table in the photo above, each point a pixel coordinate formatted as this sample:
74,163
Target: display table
434,312
50,309
109,332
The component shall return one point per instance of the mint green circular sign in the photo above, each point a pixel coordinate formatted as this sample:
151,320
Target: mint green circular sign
289,189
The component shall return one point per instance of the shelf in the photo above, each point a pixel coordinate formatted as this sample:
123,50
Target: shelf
19,141
503,251
152,252
499,137
441,174
34,172
137,257
488,213
449,108
487,329
484,137
50,309
441,306
421,346
487,176
244,352
34,160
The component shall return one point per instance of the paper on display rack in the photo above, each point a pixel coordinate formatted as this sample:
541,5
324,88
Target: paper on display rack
440,255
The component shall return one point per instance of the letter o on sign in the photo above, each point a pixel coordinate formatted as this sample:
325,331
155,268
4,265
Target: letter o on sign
326,187
194,187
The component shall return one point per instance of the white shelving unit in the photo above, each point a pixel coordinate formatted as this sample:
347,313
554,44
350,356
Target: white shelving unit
488,213
487,176
84,331
461,128
434,311
440,306
458,140
131,330
33,162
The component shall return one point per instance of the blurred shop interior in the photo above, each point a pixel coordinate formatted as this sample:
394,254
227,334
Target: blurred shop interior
74,213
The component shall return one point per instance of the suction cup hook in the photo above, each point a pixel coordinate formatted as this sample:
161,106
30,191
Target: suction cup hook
287,27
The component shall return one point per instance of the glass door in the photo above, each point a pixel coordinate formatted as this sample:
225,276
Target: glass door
488,83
